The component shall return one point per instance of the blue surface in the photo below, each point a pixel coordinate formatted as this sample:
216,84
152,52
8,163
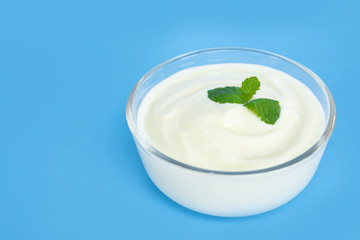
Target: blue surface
68,165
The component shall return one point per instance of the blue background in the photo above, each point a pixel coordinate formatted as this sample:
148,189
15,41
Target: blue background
69,168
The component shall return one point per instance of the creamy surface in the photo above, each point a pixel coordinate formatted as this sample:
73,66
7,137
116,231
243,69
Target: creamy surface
178,119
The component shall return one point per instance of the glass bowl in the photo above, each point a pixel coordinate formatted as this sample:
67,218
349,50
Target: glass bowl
225,193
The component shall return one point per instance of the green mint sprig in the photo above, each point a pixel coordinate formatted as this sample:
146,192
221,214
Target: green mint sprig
267,109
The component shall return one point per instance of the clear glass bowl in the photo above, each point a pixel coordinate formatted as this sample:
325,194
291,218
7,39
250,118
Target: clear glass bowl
220,193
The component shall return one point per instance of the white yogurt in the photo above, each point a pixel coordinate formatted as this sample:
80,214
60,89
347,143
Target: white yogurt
178,118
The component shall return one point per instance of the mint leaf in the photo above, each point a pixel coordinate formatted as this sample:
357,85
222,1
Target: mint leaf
235,94
267,109
249,87
226,95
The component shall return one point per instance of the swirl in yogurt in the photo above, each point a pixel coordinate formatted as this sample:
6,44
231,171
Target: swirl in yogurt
178,119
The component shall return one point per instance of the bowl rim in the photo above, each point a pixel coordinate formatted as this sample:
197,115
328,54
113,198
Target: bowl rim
132,123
